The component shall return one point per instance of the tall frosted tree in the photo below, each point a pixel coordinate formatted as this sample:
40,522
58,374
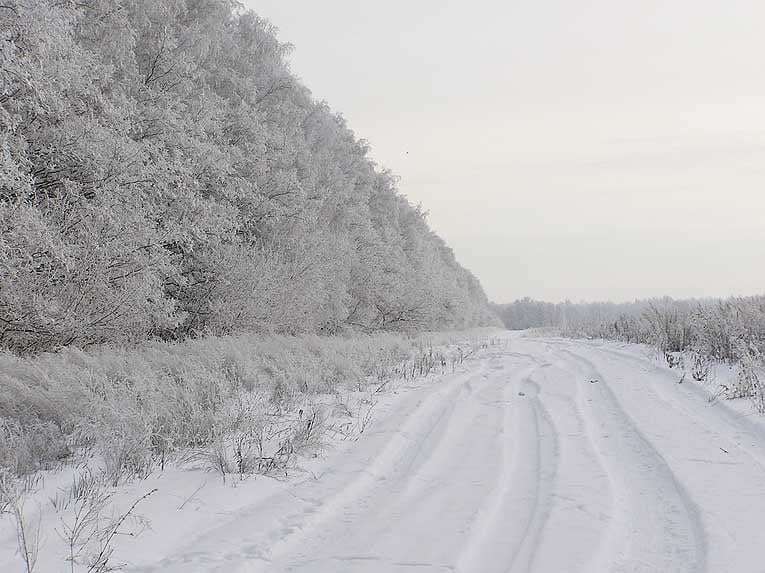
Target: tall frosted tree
162,173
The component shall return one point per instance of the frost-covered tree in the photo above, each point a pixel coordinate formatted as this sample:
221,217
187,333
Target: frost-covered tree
162,173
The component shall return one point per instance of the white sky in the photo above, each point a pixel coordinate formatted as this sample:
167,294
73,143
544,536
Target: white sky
581,149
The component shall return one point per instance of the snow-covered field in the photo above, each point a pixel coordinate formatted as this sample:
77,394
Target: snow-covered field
542,454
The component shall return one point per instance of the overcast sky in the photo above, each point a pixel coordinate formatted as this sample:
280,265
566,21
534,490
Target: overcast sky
580,149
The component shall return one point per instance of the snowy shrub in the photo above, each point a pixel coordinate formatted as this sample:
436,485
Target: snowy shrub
247,403
700,366
25,449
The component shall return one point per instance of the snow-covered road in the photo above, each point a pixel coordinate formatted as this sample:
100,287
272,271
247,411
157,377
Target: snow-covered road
546,455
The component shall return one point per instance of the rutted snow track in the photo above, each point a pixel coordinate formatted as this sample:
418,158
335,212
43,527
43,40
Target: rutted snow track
551,455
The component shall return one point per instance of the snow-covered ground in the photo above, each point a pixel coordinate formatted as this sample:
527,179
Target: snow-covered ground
542,454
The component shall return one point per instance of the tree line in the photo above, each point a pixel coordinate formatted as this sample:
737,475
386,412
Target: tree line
164,174
725,330
696,335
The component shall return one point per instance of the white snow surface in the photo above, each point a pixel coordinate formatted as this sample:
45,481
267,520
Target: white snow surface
543,454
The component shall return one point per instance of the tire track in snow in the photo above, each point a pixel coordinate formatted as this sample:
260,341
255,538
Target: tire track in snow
727,425
712,452
655,526
411,482
401,462
507,527
545,461
400,448
579,505
441,460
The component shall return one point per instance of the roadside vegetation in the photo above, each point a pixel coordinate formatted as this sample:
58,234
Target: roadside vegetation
231,407
698,336
244,404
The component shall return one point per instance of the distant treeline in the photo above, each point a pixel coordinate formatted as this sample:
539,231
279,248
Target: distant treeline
671,324
529,313
692,334
163,174
724,330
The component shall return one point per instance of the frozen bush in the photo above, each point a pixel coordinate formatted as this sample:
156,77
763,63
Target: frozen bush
137,408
